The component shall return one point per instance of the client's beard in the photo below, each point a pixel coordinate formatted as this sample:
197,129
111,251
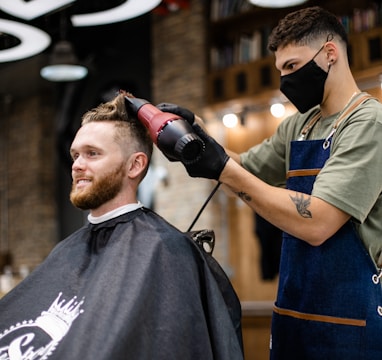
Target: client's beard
100,191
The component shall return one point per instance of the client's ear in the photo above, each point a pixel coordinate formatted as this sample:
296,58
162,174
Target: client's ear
137,164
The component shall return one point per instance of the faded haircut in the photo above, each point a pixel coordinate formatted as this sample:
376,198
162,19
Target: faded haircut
305,27
130,133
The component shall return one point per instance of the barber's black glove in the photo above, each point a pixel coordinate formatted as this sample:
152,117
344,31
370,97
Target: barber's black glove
184,113
211,162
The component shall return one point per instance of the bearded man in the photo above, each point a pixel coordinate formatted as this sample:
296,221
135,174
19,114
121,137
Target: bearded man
128,285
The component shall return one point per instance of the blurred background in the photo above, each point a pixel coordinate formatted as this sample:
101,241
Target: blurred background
207,55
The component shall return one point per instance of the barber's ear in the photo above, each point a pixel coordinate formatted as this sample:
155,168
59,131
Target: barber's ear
137,164
331,51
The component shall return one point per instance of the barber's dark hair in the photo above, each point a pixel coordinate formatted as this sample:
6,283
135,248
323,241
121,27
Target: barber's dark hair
306,26
130,132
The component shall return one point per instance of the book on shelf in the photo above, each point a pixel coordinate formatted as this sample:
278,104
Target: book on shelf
221,9
247,47
362,19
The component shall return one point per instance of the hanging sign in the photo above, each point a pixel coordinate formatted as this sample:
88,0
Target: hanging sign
31,9
34,41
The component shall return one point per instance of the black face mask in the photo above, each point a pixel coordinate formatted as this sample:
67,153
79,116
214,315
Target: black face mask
305,87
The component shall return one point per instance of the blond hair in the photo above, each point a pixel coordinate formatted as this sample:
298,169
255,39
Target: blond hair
130,133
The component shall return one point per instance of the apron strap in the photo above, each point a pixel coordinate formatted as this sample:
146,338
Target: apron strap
309,125
317,116
352,107
346,113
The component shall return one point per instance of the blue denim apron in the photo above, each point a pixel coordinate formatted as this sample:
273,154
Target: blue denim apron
329,300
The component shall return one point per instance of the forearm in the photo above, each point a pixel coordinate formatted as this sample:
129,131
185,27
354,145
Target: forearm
301,215
304,216
234,156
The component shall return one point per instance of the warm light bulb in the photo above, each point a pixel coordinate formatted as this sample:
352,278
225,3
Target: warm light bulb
230,120
278,110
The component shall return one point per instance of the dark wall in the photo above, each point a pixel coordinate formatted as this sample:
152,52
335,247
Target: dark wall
121,59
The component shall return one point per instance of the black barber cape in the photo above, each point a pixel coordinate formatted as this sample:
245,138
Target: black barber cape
133,287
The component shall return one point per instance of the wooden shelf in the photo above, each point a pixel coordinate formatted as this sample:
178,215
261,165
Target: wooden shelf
243,80
366,49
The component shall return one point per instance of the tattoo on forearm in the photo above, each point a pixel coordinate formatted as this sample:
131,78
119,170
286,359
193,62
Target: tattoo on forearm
302,205
244,196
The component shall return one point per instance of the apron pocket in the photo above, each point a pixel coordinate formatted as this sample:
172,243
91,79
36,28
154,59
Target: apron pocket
316,337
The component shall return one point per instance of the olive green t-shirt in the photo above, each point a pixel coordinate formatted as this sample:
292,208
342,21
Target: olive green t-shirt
350,180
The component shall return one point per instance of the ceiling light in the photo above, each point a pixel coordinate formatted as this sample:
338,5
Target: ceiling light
32,40
63,64
277,3
128,10
63,72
